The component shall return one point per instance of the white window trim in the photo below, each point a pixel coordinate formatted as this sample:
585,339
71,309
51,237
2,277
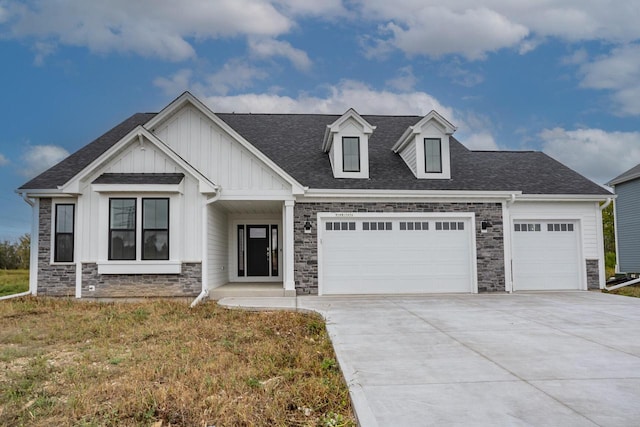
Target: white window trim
139,266
52,250
337,158
233,249
445,156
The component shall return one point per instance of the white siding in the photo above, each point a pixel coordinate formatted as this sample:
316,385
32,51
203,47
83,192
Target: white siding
186,208
218,255
586,212
213,152
409,157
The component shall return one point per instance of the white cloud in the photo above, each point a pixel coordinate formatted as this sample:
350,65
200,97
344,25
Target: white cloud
177,83
480,141
267,48
405,81
3,160
38,158
346,94
234,75
155,28
619,72
578,57
595,153
473,28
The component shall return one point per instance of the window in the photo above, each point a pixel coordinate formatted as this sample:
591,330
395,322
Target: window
418,226
350,154
560,227
432,155
155,229
526,227
337,226
63,242
377,226
122,229
449,225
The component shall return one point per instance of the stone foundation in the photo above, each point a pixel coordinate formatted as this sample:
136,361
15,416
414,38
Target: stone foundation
593,274
489,245
186,284
58,280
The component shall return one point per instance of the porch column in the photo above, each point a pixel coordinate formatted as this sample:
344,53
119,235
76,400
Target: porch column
289,282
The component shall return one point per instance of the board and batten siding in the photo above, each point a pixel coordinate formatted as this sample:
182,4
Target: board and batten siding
587,212
186,218
218,247
628,226
212,151
409,156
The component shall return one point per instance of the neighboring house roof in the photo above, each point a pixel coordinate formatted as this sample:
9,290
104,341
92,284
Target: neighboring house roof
631,174
293,141
76,162
139,178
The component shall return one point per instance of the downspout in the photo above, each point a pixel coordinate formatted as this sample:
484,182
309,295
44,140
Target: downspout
205,288
606,204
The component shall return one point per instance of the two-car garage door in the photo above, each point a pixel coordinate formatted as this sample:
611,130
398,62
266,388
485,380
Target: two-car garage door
396,254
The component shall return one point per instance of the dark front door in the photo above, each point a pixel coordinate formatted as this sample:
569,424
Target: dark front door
257,250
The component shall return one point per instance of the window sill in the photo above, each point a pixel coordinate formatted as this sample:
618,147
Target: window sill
139,267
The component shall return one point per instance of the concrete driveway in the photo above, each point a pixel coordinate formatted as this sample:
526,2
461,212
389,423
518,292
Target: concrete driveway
538,359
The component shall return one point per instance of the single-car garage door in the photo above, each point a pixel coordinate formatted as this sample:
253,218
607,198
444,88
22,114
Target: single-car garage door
545,255
391,254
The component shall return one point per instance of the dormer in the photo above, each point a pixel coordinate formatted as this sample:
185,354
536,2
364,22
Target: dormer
347,142
424,147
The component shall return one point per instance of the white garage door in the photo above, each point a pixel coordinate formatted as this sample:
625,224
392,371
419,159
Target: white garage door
392,255
545,255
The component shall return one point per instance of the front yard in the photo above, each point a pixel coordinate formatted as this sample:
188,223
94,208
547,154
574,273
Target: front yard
66,362
13,282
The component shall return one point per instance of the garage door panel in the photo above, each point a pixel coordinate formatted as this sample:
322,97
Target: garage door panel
396,261
547,257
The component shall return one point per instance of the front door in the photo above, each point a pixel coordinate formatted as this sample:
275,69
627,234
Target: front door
258,250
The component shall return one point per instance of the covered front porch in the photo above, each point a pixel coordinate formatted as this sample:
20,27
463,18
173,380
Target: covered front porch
248,248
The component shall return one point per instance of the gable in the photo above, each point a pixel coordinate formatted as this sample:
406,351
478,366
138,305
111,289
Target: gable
216,154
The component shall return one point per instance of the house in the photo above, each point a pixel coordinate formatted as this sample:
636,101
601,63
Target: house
626,220
186,201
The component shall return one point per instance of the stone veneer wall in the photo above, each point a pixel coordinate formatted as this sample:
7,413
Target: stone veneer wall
57,280
186,284
593,274
489,246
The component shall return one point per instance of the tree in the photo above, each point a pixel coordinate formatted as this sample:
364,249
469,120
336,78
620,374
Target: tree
14,255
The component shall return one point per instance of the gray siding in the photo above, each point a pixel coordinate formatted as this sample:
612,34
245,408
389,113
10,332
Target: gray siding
628,223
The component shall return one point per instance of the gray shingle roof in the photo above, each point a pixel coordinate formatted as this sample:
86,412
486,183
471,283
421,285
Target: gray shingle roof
139,178
62,172
629,175
294,141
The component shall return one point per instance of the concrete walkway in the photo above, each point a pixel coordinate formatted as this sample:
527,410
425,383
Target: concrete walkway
527,359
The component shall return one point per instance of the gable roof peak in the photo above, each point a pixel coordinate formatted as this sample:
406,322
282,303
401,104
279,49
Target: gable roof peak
432,115
334,127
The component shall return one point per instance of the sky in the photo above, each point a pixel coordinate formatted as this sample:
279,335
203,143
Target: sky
560,76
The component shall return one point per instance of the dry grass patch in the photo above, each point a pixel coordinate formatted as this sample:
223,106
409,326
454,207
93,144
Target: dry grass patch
65,363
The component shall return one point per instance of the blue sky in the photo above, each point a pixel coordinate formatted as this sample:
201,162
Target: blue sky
560,76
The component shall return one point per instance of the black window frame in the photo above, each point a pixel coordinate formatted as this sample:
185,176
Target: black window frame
357,140
144,230
426,167
135,231
56,250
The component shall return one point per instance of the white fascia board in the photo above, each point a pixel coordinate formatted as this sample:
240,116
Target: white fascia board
615,182
394,194
564,197
44,193
334,127
408,134
187,97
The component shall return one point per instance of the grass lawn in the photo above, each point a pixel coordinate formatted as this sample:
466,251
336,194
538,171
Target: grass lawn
629,291
66,362
13,282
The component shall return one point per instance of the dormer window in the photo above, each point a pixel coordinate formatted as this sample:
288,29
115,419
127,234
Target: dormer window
433,155
424,147
350,154
347,142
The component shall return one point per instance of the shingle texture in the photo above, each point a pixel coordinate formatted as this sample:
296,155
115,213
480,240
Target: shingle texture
294,141
66,169
139,178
